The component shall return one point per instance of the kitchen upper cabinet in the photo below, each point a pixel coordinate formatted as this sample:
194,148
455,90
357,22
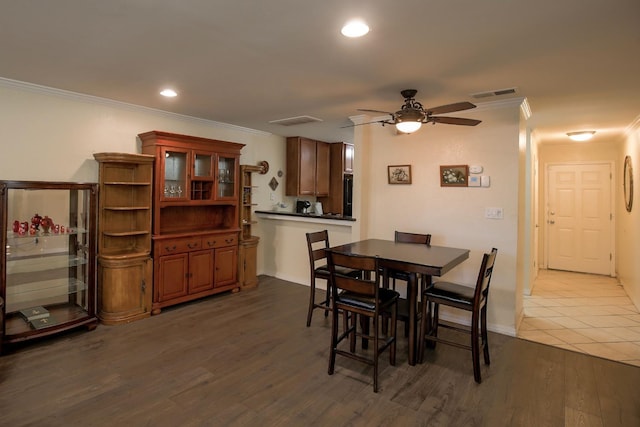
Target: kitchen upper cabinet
308,167
341,166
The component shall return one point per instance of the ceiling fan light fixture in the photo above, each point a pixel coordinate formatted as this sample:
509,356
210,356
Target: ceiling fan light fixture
408,126
581,136
355,28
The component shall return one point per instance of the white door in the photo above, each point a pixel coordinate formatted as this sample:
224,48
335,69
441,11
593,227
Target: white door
579,218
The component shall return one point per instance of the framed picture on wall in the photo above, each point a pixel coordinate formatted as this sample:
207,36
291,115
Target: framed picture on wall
454,176
399,174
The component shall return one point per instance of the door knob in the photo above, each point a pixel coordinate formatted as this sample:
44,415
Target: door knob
552,222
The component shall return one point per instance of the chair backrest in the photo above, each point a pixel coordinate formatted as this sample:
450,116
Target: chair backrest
366,284
484,278
317,243
402,237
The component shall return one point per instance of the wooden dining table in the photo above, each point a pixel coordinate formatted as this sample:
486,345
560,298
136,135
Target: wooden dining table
417,260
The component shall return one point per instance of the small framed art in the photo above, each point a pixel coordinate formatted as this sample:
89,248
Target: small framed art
399,174
454,176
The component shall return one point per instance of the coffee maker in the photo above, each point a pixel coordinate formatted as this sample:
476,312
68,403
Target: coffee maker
302,206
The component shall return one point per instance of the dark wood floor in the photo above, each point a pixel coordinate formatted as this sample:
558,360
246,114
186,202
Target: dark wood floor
247,359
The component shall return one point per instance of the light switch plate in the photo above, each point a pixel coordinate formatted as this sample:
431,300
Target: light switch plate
485,181
494,213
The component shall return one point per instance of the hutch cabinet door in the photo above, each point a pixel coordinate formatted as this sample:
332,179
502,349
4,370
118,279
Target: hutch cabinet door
227,178
203,175
174,173
125,291
201,271
173,274
226,265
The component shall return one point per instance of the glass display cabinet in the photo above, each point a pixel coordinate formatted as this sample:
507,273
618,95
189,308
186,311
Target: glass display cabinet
47,277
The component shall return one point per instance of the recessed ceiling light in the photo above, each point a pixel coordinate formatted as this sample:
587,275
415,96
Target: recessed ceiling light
584,135
355,28
169,93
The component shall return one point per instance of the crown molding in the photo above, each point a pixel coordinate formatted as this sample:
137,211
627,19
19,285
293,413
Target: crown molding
96,100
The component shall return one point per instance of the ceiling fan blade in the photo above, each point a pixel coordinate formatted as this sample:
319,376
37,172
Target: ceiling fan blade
454,121
382,122
375,111
450,108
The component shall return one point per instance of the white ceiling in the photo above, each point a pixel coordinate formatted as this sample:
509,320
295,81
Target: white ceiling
248,62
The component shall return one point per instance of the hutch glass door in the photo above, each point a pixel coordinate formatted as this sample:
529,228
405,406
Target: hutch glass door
226,177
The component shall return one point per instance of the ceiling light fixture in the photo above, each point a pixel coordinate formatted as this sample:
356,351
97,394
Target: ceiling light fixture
582,135
409,120
408,127
169,93
355,28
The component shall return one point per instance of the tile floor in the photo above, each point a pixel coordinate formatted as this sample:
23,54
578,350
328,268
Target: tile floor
584,313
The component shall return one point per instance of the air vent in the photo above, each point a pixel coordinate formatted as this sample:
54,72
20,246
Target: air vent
292,121
491,93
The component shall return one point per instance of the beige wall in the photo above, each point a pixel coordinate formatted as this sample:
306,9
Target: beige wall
52,135
454,216
628,223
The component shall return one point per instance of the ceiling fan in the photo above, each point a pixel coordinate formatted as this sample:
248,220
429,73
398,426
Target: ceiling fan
412,114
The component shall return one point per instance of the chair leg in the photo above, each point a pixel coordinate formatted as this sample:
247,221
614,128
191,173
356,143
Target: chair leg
485,339
364,325
475,348
394,324
334,340
327,301
422,341
354,327
376,352
433,323
312,302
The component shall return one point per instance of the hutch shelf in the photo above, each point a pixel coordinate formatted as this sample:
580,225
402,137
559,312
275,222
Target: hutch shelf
47,280
125,282
248,243
195,230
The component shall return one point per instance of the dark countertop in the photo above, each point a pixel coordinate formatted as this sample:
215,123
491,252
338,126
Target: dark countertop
303,215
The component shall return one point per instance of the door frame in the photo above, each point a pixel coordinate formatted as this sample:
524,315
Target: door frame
612,204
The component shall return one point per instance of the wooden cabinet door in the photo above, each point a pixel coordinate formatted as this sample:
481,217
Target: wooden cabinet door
248,260
200,271
323,171
173,271
226,269
307,176
125,291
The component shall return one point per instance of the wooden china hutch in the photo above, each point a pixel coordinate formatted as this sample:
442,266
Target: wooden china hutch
195,216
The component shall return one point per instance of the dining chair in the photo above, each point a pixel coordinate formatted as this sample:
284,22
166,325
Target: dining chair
473,299
317,243
361,297
403,310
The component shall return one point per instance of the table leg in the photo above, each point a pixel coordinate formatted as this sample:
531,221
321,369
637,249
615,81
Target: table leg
412,299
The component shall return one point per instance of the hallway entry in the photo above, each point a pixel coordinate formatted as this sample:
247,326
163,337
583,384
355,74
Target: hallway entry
579,218
584,313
